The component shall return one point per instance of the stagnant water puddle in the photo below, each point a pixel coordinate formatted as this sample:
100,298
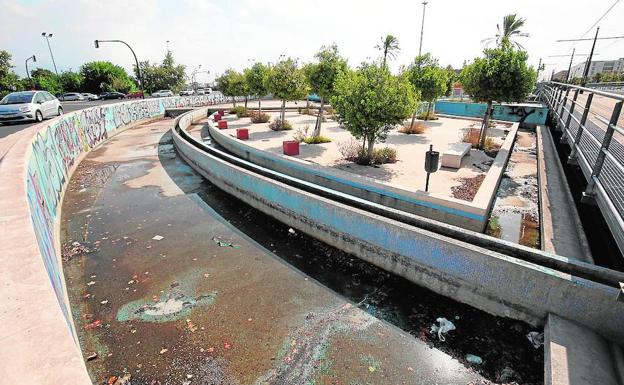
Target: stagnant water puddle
162,293
515,214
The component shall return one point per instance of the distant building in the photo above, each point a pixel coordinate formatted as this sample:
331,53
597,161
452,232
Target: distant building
596,67
560,76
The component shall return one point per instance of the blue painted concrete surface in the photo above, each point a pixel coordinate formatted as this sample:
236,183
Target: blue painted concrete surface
533,113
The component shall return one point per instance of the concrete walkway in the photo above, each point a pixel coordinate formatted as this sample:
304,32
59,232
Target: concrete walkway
169,291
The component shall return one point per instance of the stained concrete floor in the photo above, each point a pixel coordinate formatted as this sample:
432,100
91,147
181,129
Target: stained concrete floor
206,304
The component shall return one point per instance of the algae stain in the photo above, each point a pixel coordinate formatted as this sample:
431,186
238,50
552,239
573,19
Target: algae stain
172,305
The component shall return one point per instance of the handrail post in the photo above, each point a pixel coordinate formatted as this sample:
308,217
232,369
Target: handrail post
567,123
579,132
589,194
561,106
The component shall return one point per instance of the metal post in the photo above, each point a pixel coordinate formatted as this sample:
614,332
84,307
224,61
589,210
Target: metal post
588,194
570,66
34,59
422,27
47,37
579,132
567,124
97,45
589,59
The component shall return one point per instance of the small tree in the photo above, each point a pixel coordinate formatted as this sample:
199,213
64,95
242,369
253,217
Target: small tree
257,80
239,87
502,75
286,82
370,101
227,84
429,79
322,77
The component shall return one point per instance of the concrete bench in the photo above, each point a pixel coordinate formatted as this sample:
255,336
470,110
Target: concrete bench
453,155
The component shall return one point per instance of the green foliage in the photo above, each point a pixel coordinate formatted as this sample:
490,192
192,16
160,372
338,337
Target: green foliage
9,81
233,83
511,30
165,76
105,76
370,101
316,139
428,77
46,80
286,81
239,111
322,75
389,47
71,81
608,76
277,125
256,77
502,75
259,117
384,155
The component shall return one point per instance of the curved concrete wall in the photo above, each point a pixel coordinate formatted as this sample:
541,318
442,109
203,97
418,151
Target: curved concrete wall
491,281
469,215
35,320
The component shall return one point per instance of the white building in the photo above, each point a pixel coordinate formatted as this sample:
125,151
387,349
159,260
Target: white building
597,67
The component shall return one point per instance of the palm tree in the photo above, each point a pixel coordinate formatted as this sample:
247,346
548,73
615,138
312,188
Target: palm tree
510,31
389,46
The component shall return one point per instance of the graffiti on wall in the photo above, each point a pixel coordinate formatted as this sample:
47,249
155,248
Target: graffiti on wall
56,148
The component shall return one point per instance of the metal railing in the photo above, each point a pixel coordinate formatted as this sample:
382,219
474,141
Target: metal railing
589,120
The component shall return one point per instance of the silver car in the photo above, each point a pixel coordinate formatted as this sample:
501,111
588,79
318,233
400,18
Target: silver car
72,96
29,105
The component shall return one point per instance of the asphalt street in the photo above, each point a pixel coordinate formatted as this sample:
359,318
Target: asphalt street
7,129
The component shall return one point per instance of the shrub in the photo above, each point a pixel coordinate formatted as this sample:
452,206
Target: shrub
302,133
417,128
257,117
278,125
471,135
431,116
384,155
239,111
316,139
490,147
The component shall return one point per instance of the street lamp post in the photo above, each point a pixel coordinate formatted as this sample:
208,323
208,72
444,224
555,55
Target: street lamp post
47,37
97,45
422,27
34,59
193,86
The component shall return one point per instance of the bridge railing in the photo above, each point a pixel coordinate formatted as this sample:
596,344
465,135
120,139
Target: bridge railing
591,124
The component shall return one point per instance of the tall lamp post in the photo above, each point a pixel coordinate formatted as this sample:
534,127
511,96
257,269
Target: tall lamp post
97,45
34,59
193,86
47,37
422,27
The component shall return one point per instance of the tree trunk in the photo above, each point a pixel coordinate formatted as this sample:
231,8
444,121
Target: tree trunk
370,151
283,113
233,101
319,120
413,118
259,107
486,124
428,110
245,105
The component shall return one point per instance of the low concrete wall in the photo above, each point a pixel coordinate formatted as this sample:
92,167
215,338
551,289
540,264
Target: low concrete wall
35,321
469,215
529,113
497,283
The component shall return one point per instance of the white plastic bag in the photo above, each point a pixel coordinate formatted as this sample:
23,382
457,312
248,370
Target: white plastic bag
444,327
537,339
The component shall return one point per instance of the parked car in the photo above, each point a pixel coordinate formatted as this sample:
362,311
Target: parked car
162,93
187,92
89,96
201,91
135,95
71,96
112,95
29,105
208,90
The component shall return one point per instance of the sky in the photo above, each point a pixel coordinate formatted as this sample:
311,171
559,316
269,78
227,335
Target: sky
221,34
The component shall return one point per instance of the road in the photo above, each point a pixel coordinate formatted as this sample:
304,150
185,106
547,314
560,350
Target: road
7,129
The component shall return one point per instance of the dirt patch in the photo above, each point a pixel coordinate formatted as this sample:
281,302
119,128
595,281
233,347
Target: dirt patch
468,188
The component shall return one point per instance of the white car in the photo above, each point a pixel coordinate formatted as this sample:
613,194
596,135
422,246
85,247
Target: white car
72,96
162,93
29,105
201,91
89,96
188,92
208,90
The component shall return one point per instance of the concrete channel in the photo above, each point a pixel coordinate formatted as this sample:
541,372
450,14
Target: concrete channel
172,280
